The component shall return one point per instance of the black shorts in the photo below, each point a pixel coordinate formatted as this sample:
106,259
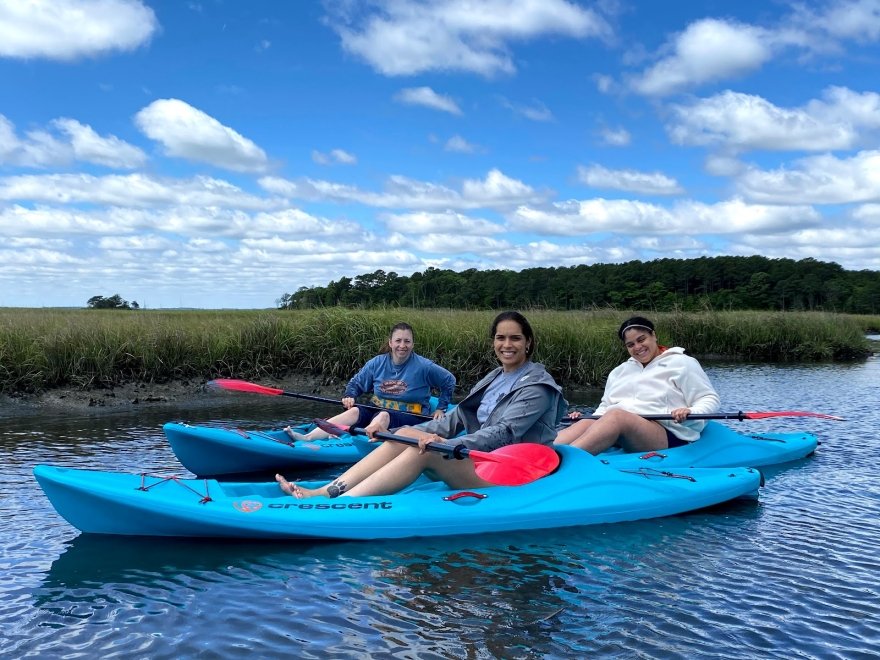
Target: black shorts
674,440
398,419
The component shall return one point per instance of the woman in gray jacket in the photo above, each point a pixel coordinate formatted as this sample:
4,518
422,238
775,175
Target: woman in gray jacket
517,402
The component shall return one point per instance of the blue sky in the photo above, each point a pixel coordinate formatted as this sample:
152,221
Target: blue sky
220,154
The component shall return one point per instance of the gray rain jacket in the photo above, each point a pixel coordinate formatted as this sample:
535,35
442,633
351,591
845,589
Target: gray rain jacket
530,412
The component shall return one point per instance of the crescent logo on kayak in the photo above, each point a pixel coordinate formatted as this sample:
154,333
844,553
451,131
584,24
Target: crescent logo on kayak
332,506
248,506
323,444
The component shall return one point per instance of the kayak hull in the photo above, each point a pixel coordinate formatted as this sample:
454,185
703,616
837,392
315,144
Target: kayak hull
583,491
721,446
218,451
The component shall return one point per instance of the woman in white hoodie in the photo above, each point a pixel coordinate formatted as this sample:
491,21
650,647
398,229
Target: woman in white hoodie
654,380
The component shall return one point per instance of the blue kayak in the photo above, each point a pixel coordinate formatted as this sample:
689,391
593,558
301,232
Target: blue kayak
721,446
582,491
217,451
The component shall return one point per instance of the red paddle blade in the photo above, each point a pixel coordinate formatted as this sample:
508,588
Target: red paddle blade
329,427
242,386
515,465
789,413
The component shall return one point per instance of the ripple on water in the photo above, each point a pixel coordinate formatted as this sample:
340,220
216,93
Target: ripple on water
795,575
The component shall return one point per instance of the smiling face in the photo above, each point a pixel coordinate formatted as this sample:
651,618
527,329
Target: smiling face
401,344
511,345
641,343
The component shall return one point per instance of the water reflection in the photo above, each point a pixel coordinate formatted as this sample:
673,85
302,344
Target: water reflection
792,572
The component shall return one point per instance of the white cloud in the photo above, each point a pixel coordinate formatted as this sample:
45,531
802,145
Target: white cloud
448,222
70,29
438,243
135,190
90,147
144,228
298,223
536,111
722,165
140,243
843,105
24,262
459,144
344,157
40,148
186,132
823,179
36,242
843,19
868,214
406,37
335,156
605,83
546,253
712,49
707,50
647,183
575,218
37,149
206,245
743,121
843,245
496,191
496,188
427,97
616,137
23,222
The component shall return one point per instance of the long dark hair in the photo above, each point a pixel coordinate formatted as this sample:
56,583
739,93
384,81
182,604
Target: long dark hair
529,334
397,326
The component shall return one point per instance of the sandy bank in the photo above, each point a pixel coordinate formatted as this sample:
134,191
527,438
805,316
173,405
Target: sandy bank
134,395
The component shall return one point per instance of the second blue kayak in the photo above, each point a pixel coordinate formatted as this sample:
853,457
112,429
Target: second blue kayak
219,451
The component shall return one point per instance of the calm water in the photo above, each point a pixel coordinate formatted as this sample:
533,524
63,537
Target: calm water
796,575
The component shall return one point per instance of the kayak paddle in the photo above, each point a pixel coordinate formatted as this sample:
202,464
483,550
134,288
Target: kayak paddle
511,465
737,415
245,386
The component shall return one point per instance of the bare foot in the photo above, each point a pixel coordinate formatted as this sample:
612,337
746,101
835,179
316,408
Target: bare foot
297,491
295,435
286,486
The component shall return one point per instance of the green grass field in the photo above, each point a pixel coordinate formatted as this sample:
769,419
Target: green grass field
46,348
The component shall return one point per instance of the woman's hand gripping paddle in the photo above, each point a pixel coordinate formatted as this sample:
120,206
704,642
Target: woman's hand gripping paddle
511,465
244,386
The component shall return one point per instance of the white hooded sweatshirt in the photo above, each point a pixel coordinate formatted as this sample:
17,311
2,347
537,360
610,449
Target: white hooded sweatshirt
669,381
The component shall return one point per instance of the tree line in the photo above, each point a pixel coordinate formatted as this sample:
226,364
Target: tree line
111,302
722,283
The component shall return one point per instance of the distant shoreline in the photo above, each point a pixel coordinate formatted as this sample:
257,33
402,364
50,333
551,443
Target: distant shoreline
133,396
108,359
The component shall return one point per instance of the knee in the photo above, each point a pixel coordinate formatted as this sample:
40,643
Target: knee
617,415
622,420
411,456
579,427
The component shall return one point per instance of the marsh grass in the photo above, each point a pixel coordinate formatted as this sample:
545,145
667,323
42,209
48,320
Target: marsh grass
46,348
